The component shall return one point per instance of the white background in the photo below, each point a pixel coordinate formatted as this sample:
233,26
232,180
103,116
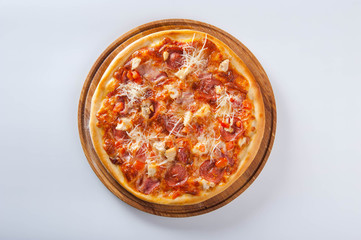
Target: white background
310,187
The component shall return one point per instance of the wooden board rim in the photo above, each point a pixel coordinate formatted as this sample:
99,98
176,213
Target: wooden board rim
106,56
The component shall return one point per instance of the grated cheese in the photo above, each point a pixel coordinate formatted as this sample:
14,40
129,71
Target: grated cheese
133,91
194,60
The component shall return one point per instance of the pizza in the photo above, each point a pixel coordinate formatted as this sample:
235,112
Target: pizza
177,117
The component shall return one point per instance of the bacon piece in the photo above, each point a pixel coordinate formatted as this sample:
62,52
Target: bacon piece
185,99
109,147
176,175
119,134
146,184
210,172
148,71
141,154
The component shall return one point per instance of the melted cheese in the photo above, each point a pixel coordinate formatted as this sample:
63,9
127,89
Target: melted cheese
172,91
203,111
151,169
125,124
170,154
187,118
146,109
165,55
205,184
159,146
223,66
135,62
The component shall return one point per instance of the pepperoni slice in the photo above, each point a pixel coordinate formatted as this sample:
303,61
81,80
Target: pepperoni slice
210,172
146,185
183,155
206,86
176,176
229,136
175,60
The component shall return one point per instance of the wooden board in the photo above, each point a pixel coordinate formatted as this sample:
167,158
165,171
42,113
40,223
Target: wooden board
245,179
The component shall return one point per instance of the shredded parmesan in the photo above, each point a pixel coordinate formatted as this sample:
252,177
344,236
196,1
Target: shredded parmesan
133,91
194,59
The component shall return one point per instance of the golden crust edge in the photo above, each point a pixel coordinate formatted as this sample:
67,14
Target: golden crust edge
101,91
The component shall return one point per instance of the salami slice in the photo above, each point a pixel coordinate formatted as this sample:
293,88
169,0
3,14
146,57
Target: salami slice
210,172
176,175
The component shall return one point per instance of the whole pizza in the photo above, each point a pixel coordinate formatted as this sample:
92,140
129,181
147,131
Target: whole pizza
177,117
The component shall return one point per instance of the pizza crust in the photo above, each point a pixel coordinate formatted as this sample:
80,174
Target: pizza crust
105,86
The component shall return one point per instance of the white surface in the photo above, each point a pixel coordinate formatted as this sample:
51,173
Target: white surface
310,187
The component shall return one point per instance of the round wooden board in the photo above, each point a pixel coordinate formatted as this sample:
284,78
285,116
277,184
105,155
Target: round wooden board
245,179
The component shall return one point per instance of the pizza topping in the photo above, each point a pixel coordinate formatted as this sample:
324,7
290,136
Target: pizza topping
210,172
187,118
125,124
203,111
223,67
206,184
172,90
175,60
176,118
206,86
183,155
133,91
176,175
159,146
232,132
170,154
135,62
194,59
165,55
222,163
146,108
146,184
151,169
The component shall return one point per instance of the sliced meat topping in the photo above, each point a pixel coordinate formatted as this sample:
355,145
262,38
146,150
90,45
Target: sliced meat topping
206,86
210,172
184,155
176,175
146,185
232,132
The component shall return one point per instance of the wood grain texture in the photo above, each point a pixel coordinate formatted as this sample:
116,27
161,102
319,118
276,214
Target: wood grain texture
245,179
